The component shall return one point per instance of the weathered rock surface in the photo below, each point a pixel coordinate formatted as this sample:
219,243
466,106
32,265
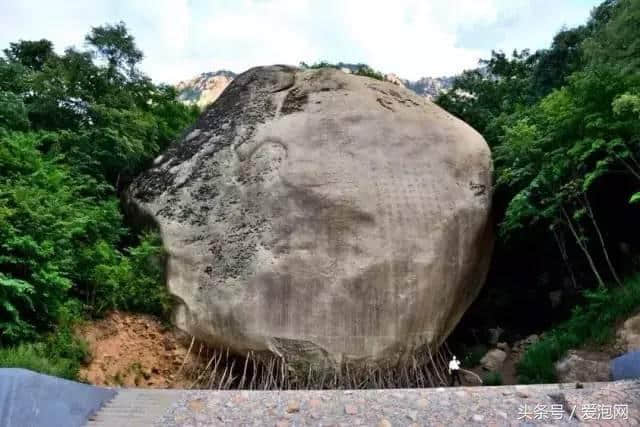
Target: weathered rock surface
493,360
520,347
322,216
628,335
583,366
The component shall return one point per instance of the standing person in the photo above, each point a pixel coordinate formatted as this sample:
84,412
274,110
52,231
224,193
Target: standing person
454,371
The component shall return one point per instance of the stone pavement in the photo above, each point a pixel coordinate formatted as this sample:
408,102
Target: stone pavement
599,403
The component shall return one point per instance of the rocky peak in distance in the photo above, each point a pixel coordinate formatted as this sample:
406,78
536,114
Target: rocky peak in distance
205,88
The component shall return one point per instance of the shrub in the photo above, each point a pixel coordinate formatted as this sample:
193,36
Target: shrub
492,379
34,358
49,215
359,69
73,132
60,354
367,71
134,281
473,355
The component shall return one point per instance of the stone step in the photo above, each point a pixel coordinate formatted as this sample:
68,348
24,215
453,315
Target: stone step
398,407
135,407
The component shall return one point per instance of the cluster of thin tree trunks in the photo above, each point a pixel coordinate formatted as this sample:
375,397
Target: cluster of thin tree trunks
222,370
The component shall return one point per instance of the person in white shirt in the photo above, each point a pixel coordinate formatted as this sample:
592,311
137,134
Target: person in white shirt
454,371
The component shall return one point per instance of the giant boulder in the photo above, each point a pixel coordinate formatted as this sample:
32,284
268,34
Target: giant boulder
322,216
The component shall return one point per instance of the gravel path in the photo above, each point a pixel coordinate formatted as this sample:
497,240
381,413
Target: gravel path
602,403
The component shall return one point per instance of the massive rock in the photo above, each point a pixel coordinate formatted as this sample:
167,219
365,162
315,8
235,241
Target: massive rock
493,360
322,216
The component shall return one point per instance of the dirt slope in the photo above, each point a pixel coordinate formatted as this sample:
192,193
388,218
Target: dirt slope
136,350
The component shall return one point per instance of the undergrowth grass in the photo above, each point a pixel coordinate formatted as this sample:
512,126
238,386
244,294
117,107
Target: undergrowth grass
60,353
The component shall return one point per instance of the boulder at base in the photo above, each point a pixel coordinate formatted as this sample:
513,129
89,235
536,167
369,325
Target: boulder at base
493,360
322,216
583,366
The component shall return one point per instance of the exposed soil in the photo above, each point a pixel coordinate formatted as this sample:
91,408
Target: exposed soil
134,350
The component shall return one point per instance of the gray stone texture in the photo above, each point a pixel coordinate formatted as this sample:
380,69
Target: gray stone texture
322,216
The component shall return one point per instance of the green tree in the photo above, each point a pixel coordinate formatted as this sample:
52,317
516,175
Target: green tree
564,130
114,44
616,41
554,65
74,129
32,54
485,96
13,113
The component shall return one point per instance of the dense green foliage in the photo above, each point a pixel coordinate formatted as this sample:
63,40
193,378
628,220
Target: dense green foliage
40,357
564,127
133,281
590,324
74,129
60,353
473,355
492,379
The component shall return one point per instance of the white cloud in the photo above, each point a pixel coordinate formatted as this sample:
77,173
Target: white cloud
412,38
407,41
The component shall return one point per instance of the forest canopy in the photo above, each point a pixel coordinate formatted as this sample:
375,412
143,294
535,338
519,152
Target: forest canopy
74,129
563,124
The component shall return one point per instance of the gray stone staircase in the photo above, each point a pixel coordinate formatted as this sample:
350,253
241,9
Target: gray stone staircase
135,408
562,404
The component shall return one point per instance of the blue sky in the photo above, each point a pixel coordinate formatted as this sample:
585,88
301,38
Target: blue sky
412,38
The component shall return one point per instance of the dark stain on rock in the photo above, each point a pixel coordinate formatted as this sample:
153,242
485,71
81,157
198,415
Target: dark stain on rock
246,101
478,189
295,101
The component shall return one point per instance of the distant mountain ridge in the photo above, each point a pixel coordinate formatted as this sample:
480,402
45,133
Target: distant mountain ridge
430,87
204,89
